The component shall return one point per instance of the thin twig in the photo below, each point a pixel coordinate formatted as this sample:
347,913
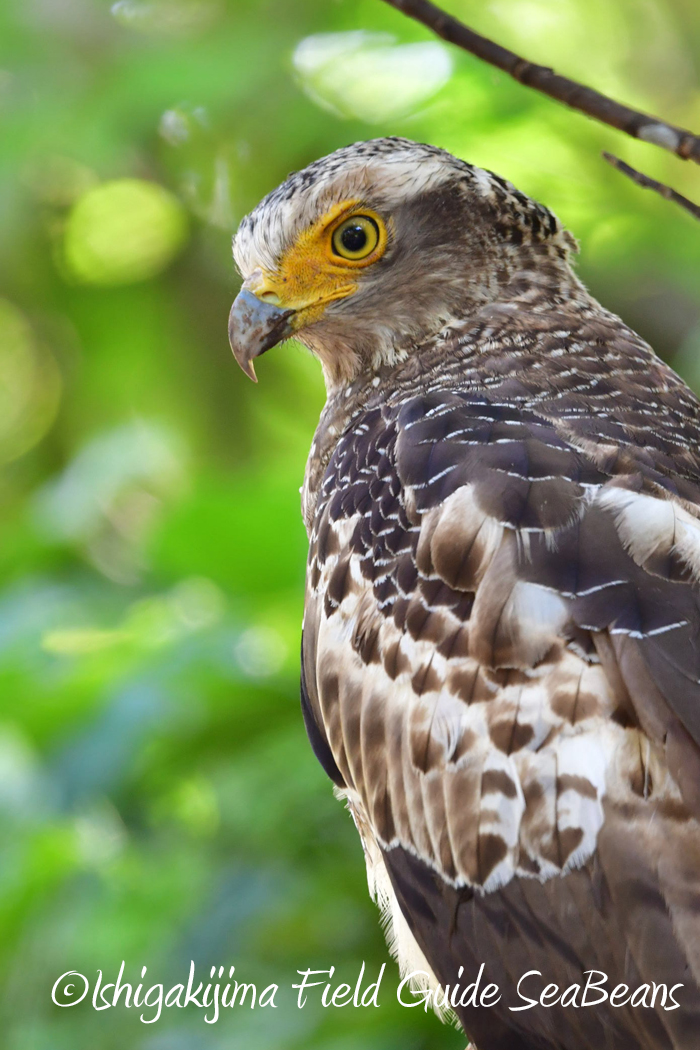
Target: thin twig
542,78
652,184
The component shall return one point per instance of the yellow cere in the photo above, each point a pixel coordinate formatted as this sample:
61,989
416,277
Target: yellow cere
322,264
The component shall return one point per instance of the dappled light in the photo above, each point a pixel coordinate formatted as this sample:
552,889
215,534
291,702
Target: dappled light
166,17
369,76
30,388
109,497
123,231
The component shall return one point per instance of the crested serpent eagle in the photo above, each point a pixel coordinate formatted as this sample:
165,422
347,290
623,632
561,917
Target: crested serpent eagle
501,651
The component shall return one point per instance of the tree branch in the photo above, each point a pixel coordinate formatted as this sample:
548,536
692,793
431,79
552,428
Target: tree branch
639,125
652,184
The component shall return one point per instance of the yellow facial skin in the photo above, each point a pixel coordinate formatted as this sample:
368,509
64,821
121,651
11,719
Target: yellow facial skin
311,273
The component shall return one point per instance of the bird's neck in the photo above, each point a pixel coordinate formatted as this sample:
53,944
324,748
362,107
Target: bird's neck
544,279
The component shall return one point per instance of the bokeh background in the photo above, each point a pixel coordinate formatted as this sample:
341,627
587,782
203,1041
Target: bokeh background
158,799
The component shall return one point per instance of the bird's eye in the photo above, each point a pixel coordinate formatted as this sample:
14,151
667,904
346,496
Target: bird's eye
356,238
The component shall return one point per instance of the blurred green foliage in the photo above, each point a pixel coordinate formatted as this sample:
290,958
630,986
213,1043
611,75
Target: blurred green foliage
158,799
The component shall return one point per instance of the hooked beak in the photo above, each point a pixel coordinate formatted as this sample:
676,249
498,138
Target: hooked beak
255,326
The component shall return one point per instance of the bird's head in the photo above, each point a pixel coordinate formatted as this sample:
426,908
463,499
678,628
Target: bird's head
373,249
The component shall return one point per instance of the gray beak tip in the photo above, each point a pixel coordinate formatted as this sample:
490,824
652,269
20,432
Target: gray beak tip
254,327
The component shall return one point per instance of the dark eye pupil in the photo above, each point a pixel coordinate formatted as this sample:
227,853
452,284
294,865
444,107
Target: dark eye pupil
354,238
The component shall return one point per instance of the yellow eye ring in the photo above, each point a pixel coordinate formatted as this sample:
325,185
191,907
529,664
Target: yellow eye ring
356,238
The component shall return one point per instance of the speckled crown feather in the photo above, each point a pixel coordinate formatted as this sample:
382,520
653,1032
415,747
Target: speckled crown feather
392,169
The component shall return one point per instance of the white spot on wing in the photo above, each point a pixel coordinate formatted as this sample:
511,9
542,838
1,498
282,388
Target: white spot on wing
648,525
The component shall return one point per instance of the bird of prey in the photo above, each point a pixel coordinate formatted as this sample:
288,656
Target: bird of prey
501,639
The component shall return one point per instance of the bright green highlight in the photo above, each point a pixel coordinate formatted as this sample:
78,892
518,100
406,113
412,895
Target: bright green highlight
123,231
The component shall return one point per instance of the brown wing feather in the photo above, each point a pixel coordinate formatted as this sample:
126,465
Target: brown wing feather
502,655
